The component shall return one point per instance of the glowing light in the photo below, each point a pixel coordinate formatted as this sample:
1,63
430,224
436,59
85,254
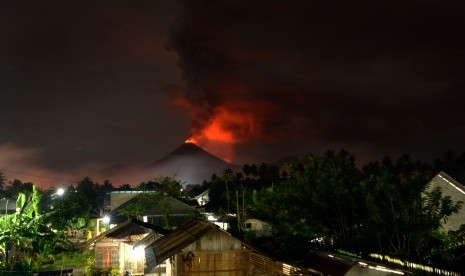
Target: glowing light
106,219
190,141
60,191
138,253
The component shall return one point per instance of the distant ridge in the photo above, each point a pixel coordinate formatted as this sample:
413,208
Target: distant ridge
190,164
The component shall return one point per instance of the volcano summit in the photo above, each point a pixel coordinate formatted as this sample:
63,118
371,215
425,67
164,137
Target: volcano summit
190,164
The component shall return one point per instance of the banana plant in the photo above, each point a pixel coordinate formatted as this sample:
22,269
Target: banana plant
26,239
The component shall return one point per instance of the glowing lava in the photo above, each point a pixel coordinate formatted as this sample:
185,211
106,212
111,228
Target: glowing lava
191,141
223,130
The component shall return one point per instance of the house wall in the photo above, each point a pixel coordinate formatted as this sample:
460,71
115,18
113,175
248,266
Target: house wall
456,191
118,255
215,253
215,240
203,198
261,228
218,263
130,260
107,255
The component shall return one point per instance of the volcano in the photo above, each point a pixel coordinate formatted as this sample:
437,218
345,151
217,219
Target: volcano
190,164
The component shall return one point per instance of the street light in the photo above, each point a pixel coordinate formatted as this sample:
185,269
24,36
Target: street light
57,194
101,222
60,191
106,219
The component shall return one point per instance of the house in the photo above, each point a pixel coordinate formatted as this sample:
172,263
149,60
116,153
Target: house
456,191
162,210
202,198
122,247
120,238
261,228
202,248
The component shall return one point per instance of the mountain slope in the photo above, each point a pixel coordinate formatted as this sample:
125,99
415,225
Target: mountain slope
189,164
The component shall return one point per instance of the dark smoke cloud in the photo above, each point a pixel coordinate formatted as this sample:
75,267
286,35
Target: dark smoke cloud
375,77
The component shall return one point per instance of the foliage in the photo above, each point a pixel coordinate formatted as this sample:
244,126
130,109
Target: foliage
92,270
98,271
71,210
26,240
77,205
165,185
68,259
403,216
15,187
328,203
315,200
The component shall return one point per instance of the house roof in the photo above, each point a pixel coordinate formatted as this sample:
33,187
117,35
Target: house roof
328,263
176,207
129,227
202,194
179,238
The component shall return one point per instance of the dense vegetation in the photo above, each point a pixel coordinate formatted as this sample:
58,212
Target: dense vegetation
328,203
316,202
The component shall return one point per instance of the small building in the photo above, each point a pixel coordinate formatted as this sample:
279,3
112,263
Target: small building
203,198
202,248
261,228
163,210
456,191
122,247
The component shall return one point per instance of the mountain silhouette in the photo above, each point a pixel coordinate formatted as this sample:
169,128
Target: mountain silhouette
190,164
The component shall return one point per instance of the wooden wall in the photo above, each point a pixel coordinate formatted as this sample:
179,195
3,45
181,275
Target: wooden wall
212,263
215,240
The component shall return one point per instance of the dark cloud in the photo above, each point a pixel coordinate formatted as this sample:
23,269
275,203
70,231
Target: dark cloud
377,77
88,87
87,82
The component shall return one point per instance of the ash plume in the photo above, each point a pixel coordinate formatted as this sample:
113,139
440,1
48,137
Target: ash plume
316,73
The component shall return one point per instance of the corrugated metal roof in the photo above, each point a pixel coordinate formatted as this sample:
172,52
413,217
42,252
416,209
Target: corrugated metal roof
158,208
179,238
129,227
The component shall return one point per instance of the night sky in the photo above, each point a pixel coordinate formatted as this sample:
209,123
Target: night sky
103,88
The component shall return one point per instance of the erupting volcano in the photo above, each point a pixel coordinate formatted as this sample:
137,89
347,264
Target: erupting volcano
221,128
190,164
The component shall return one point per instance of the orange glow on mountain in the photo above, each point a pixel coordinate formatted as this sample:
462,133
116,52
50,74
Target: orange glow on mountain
224,129
190,140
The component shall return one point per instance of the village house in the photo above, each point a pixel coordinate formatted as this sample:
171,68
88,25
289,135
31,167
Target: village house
203,198
202,248
259,227
456,191
122,247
